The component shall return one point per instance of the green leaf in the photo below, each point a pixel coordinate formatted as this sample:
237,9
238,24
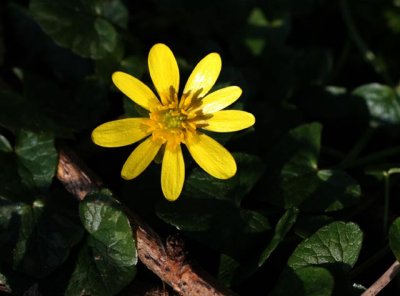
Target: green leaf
307,225
4,284
305,281
294,179
218,223
107,263
283,226
337,243
12,186
226,269
261,30
5,145
29,116
80,25
61,110
199,184
335,190
383,103
37,154
394,238
37,238
115,11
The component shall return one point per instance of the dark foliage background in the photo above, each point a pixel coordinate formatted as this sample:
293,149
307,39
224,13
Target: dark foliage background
313,208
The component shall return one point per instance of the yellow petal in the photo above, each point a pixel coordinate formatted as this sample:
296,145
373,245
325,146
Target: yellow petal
136,90
164,72
140,158
220,99
203,76
121,132
172,172
212,156
229,121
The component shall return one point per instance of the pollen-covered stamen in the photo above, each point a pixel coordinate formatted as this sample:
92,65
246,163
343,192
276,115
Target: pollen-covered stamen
173,119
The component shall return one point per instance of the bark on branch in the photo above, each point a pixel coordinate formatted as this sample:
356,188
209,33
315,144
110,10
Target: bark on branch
163,260
383,280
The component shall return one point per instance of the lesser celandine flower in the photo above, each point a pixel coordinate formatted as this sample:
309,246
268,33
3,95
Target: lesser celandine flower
173,121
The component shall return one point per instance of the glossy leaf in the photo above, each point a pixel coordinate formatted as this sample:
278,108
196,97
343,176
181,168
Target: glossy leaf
62,20
336,243
107,262
383,103
37,154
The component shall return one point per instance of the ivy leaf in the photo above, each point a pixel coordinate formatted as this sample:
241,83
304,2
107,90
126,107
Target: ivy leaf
80,25
107,262
305,281
336,243
36,153
394,238
383,103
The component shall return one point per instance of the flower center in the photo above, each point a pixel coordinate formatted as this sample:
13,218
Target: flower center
173,118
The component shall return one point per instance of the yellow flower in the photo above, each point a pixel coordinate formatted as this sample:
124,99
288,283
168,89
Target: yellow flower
172,121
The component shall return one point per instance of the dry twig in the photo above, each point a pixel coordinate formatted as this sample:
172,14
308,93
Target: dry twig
166,262
383,280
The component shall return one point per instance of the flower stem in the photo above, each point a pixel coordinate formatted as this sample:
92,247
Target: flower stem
386,203
358,147
367,53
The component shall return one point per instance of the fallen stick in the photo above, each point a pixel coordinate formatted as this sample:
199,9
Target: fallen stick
166,261
383,280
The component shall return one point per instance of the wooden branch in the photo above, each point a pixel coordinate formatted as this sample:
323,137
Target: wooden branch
167,262
383,280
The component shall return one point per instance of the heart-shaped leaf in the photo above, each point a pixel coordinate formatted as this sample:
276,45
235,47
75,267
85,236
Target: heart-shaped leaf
107,262
80,25
336,243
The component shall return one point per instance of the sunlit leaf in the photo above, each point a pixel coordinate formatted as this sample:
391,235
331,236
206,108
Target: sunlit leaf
383,103
107,262
5,145
37,154
336,243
